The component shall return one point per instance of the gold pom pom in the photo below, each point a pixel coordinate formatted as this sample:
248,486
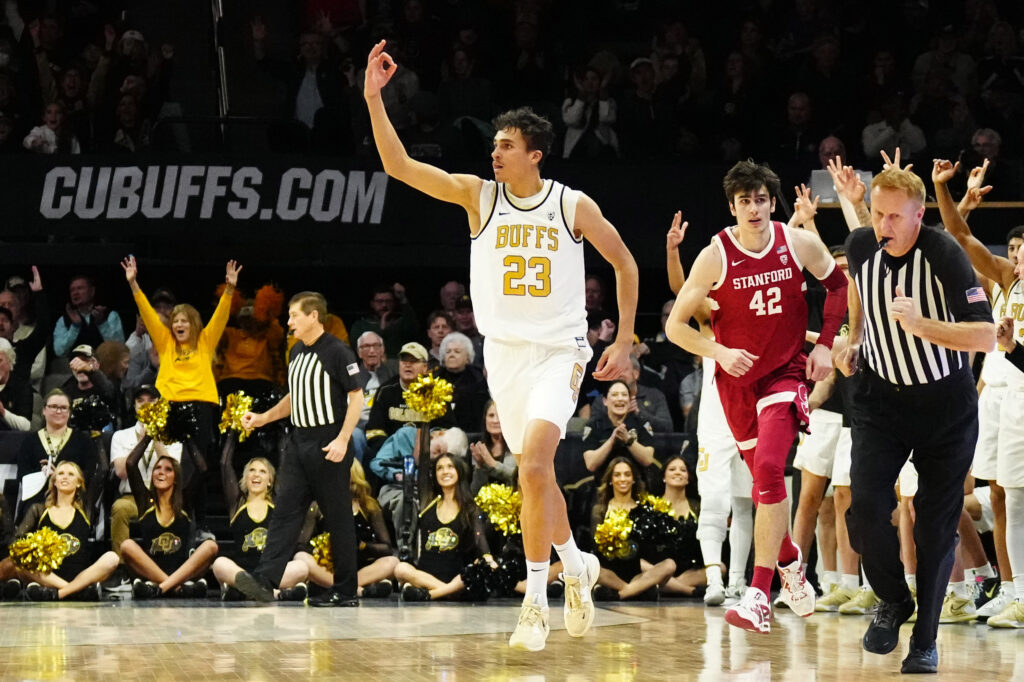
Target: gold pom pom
237,404
658,504
40,552
322,551
154,417
429,396
502,506
613,535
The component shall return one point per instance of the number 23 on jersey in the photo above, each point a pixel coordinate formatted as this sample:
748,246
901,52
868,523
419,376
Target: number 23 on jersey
526,276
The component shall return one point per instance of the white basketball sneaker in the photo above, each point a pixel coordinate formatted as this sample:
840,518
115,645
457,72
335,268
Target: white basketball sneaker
752,612
796,592
579,602
531,631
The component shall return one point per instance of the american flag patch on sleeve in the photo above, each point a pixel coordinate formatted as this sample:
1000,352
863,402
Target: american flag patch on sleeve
353,369
976,295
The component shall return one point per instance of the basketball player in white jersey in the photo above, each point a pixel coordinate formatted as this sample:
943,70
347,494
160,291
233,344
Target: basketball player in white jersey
527,285
723,479
1001,404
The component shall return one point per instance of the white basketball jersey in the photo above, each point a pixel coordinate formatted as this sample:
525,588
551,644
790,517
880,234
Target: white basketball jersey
711,422
996,367
1015,309
526,273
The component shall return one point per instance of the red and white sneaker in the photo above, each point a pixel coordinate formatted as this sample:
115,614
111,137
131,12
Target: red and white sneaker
752,612
796,592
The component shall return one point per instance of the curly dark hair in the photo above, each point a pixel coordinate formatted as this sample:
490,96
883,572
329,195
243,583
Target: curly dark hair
748,176
535,129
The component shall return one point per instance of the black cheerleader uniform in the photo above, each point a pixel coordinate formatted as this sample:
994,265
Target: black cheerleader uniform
372,537
626,568
76,538
446,548
685,549
250,536
166,545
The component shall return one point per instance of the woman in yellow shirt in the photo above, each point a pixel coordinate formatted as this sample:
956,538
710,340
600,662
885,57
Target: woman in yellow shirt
186,350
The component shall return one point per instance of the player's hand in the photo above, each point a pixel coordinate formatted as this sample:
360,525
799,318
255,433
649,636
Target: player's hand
819,363
904,311
846,356
976,178
804,209
252,420
676,232
380,67
1004,335
607,331
614,363
846,181
894,162
943,171
972,198
336,449
735,361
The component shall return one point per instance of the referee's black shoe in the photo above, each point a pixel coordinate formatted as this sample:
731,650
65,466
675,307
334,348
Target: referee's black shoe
921,660
884,632
254,586
333,598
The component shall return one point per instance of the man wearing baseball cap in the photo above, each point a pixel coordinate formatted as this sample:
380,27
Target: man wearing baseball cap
87,379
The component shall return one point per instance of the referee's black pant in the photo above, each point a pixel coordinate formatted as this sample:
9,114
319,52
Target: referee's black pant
305,476
939,423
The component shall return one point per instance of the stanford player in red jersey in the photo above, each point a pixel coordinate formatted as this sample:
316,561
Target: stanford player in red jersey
752,274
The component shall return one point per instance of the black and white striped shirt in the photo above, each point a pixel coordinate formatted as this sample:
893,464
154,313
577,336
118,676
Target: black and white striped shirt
938,276
320,377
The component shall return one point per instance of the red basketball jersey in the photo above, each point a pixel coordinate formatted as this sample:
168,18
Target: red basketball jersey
759,302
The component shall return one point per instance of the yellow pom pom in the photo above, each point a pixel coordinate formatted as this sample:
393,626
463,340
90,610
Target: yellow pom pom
40,552
154,417
429,396
237,404
502,506
658,504
613,535
322,551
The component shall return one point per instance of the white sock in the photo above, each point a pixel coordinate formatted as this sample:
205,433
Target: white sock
850,582
1018,585
711,551
829,578
741,537
572,560
714,574
985,571
911,579
1006,587
969,576
537,582
959,589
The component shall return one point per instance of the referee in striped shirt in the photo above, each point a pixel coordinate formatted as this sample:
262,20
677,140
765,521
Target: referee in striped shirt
915,313
323,392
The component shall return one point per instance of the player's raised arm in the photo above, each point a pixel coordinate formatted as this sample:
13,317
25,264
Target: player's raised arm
819,262
596,229
454,188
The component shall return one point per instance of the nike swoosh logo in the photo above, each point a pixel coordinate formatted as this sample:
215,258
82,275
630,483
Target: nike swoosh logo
737,262
762,492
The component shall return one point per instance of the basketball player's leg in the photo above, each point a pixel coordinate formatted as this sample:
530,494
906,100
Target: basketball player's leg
815,458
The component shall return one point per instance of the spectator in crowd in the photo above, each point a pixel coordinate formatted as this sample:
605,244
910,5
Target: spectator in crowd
622,487
54,136
827,83
663,365
590,116
28,335
447,512
252,349
15,393
644,120
450,294
947,57
319,94
8,139
883,81
464,92
593,292
375,369
685,549
124,509
646,402
794,145
893,131
132,130
67,510
674,40
85,322
439,325
1004,176
57,442
492,461
113,358
533,78
388,464
600,334
144,360
390,318
401,91
617,433
470,394
389,411
418,30
166,561
1002,68
87,380
465,323
735,108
